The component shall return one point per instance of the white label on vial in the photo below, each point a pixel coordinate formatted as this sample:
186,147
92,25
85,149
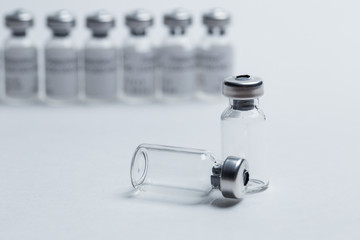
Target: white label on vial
61,73
101,73
139,72
214,64
21,77
178,77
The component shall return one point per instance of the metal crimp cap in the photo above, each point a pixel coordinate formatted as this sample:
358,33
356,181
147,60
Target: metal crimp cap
178,18
139,19
216,17
100,21
19,20
61,21
243,87
234,177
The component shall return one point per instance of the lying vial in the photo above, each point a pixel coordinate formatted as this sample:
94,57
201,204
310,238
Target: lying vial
139,58
215,54
100,58
20,58
61,59
177,58
186,171
243,127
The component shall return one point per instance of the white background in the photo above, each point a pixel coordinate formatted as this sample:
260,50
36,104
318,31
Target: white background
64,171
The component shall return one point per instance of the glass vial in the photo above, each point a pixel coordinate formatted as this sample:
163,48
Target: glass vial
158,168
20,58
100,58
177,58
243,127
215,53
139,58
61,59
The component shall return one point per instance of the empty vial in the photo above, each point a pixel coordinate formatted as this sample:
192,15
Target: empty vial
61,58
177,58
243,127
100,58
163,169
215,53
20,58
139,58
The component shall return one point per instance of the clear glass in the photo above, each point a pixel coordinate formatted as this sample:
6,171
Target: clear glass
21,69
215,62
177,66
61,69
139,69
100,68
174,170
244,135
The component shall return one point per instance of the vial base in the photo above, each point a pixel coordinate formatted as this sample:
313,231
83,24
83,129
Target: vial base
210,97
60,101
256,185
134,99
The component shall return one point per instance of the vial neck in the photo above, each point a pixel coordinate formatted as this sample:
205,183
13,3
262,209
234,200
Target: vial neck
138,32
61,34
19,34
244,104
216,31
100,35
177,31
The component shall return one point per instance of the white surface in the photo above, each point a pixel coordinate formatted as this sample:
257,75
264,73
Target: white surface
63,171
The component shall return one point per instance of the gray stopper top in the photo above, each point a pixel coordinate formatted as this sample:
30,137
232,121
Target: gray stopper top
243,87
19,20
139,19
61,21
100,22
234,177
217,17
178,18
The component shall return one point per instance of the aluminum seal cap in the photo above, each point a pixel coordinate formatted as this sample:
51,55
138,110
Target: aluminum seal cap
139,19
234,177
61,21
243,87
19,20
100,22
178,18
217,17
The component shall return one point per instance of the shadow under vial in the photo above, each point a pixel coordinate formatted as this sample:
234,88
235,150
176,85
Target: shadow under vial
180,196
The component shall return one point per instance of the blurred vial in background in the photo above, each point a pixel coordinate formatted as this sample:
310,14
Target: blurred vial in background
177,58
20,58
215,54
243,127
100,58
139,58
61,59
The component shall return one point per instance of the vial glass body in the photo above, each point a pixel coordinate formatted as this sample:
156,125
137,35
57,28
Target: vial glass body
101,71
139,66
214,61
244,135
178,66
61,69
158,168
21,68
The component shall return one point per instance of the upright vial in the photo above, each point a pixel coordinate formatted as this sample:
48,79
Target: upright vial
243,127
177,58
215,53
139,58
100,58
162,169
61,59
20,58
